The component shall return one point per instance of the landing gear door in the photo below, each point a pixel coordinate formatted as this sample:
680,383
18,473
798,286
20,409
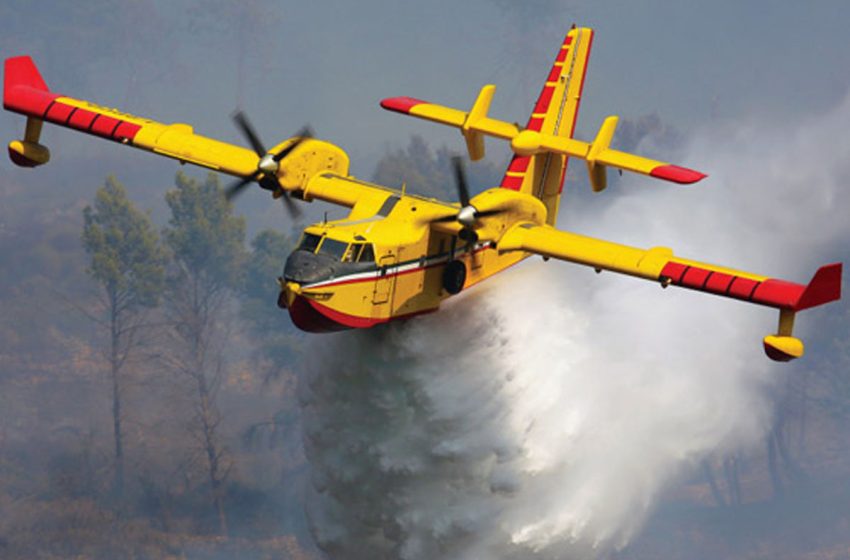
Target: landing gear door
386,279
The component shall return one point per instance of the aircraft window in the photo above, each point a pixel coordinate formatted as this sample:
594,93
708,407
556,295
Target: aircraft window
333,248
367,254
309,243
353,252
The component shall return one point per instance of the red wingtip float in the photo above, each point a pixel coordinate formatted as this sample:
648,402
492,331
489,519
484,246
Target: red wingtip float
397,255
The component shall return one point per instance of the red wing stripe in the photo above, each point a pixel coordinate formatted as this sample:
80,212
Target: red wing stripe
553,75
104,125
718,283
695,277
742,288
81,119
778,293
673,271
28,100
59,113
126,131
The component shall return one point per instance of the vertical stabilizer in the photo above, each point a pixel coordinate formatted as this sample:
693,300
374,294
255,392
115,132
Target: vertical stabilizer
555,113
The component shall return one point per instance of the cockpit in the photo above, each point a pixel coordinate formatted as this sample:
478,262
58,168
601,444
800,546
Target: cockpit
338,250
320,257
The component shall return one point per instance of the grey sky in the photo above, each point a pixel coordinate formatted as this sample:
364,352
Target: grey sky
330,62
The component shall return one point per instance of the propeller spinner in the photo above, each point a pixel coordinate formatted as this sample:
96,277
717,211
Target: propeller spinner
468,215
268,166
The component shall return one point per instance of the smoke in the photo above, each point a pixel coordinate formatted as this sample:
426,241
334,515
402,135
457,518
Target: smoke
543,413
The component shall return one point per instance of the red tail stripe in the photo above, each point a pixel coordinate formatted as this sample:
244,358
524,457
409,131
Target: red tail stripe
513,183
519,164
535,124
544,99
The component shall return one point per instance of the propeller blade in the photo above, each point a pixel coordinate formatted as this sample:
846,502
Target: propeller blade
290,206
444,219
303,134
245,127
460,179
238,187
485,213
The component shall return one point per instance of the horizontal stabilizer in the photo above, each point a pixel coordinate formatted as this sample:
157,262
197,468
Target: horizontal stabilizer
527,142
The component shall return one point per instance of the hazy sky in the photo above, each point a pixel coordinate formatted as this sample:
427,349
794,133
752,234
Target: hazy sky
329,62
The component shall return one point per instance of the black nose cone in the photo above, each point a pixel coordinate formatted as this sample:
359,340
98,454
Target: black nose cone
304,267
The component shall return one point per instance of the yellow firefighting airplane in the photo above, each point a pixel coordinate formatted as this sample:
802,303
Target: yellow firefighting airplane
396,254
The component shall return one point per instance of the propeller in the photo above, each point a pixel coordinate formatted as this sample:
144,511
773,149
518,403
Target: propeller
268,166
468,215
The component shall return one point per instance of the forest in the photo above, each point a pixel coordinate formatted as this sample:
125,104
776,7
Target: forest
149,403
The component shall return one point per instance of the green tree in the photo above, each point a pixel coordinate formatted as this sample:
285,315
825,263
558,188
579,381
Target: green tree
430,174
207,246
270,327
128,263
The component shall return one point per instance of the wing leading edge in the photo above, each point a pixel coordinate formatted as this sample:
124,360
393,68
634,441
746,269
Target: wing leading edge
659,264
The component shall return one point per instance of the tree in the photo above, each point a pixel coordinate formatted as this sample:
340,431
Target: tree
270,327
206,242
128,262
426,173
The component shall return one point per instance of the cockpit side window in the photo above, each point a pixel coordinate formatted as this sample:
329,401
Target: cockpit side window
309,243
353,252
367,254
333,248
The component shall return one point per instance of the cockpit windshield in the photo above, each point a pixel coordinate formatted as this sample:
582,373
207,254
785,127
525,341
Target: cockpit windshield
338,250
309,243
333,248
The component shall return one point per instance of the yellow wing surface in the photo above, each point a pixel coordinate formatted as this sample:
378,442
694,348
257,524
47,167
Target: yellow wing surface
659,264
25,92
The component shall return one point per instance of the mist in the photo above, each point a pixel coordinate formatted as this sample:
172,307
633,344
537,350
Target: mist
545,413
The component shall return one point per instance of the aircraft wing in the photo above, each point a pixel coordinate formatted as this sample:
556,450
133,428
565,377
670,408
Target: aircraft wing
659,264
25,92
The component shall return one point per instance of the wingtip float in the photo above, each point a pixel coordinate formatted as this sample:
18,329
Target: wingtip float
397,255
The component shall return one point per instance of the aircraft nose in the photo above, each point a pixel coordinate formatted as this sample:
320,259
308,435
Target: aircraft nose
304,267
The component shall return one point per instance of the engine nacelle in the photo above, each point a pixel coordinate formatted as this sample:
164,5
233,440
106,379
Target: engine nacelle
28,154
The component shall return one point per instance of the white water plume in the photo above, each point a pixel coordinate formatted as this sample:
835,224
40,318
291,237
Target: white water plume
541,414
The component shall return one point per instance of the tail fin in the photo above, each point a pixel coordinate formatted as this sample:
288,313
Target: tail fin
555,113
